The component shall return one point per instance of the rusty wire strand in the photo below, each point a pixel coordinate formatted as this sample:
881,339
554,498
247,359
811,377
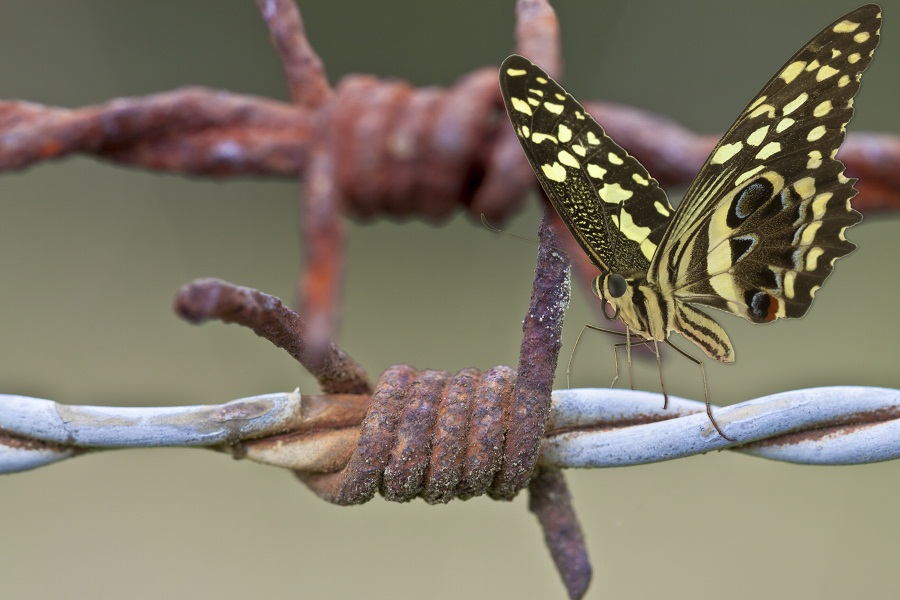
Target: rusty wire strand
206,299
201,131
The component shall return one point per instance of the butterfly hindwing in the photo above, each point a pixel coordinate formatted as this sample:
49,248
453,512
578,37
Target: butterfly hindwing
614,209
760,228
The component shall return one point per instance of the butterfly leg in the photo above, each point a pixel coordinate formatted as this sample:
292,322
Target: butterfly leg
659,366
628,354
628,344
578,339
699,363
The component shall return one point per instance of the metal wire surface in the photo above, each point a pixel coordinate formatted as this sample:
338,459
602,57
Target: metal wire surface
588,428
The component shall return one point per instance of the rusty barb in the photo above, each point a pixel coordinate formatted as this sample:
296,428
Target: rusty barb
369,148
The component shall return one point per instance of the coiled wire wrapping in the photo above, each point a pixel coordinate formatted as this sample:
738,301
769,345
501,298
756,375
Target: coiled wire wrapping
588,428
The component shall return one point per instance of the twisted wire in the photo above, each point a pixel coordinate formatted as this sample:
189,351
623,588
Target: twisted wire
588,428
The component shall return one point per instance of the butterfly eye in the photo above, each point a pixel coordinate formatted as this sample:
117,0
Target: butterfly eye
616,285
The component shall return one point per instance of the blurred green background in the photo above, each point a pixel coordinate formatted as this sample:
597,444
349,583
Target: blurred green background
92,253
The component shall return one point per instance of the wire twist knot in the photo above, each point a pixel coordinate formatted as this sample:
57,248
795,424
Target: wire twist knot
427,434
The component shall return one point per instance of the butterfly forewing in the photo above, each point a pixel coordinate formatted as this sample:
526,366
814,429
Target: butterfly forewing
760,228
616,211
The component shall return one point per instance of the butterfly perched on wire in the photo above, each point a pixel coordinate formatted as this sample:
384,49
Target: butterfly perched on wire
759,229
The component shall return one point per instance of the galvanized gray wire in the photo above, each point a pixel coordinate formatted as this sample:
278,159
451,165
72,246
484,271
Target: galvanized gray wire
823,426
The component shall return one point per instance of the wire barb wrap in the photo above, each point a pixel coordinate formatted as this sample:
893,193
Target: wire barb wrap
427,434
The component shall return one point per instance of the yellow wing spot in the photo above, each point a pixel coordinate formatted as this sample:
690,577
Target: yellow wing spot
525,132
564,134
579,115
841,235
815,133
861,37
639,179
521,106
843,179
726,152
795,103
815,288
835,53
822,109
756,138
560,97
805,187
825,72
614,159
536,92
568,160
845,27
812,66
756,103
613,193
843,81
537,138
783,124
554,172
809,233
763,109
768,150
648,249
812,258
515,72
789,278
854,58
579,150
541,80
592,139
661,208
633,231
533,102
792,70
820,204
815,160
556,109
748,174
595,171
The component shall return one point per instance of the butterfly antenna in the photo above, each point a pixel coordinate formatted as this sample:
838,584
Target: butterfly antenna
487,224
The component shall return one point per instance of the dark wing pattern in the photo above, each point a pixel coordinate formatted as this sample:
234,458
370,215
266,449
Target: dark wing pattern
616,211
760,228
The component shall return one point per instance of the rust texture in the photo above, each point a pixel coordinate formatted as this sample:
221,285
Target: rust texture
426,434
320,283
206,299
303,68
551,503
541,341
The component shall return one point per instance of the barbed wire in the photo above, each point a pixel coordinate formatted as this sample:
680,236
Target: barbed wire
588,428
427,433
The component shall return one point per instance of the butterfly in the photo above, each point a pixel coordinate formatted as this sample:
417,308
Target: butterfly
759,229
